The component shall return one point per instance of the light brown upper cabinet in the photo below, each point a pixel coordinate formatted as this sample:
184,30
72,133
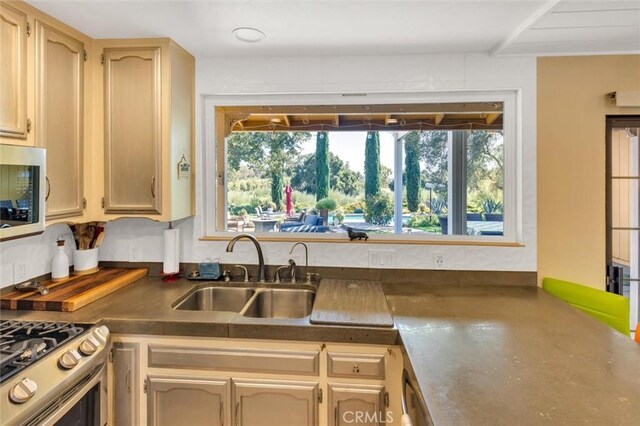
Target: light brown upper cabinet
59,118
148,129
13,75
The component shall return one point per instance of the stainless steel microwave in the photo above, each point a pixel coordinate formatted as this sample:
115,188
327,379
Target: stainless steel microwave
22,191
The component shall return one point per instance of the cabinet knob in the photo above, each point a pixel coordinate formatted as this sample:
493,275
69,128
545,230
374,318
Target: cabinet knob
356,369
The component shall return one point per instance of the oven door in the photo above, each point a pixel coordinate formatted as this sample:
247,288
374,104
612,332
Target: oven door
83,404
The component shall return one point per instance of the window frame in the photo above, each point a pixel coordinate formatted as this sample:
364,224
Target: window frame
214,146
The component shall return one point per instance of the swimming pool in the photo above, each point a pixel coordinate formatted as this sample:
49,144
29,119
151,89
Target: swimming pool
359,218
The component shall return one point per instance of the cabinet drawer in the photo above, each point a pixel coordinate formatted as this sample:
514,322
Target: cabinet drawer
254,360
355,365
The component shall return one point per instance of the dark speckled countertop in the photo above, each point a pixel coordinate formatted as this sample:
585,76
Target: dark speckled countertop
486,355
482,355
144,307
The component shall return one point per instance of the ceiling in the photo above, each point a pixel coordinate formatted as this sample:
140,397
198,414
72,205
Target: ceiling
361,27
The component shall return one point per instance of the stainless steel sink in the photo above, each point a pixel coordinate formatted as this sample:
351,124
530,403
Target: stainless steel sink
215,299
249,301
280,303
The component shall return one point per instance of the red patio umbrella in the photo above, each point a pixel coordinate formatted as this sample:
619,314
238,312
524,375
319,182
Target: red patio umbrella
289,203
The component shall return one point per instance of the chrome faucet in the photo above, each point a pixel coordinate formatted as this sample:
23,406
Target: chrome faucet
261,276
292,272
306,258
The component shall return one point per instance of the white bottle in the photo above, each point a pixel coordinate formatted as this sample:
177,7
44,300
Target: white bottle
60,264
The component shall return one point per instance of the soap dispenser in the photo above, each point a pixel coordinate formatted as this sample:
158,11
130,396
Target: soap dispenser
60,264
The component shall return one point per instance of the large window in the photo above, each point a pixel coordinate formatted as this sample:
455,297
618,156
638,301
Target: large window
407,171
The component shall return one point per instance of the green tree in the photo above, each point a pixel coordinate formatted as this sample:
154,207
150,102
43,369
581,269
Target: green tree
267,154
433,154
372,165
412,170
322,165
341,177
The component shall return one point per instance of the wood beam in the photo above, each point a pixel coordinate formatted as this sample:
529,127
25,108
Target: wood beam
336,120
395,109
492,117
439,118
285,117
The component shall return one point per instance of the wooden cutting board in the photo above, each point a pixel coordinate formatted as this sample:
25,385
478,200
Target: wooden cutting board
351,302
74,293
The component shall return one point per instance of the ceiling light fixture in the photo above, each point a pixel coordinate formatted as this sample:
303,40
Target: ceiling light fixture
248,34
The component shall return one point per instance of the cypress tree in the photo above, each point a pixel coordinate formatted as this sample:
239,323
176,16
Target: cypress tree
277,185
412,170
372,165
322,165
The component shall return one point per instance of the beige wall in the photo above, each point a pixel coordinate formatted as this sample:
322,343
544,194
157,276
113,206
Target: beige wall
572,107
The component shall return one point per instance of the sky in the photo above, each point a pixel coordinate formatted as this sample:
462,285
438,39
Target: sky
349,146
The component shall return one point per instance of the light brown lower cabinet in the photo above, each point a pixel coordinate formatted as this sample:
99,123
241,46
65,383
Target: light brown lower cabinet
125,388
190,381
275,403
357,404
187,401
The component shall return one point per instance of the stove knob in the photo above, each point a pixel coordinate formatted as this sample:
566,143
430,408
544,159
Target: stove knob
23,391
89,346
69,359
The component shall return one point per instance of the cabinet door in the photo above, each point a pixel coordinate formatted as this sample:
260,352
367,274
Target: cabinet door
356,404
125,374
132,84
13,73
178,401
59,118
275,403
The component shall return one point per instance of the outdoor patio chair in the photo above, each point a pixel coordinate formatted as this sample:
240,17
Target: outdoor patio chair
297,219
305,228
474,217
309,220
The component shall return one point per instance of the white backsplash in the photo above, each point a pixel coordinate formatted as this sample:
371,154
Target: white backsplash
141,239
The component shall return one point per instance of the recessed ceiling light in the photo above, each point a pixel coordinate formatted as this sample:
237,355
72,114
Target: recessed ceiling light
248,34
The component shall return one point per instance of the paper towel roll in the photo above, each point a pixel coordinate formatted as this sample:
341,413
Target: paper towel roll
171,263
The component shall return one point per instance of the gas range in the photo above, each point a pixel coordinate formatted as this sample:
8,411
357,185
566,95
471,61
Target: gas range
23,343
48,368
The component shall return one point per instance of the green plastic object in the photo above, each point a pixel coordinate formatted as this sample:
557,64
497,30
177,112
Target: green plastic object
609,308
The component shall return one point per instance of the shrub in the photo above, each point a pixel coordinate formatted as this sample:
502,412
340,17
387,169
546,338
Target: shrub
379,209
356,206
491,206
438,206
241,209
326,204
339,216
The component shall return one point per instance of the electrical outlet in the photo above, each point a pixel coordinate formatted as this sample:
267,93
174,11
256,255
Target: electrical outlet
134,253
439,261
382,258
19,272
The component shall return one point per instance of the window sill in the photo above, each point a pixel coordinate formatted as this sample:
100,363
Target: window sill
375,240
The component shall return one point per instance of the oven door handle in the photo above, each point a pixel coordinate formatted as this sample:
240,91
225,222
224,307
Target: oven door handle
100,376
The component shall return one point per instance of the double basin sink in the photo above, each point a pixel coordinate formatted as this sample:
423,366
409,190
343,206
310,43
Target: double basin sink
256,302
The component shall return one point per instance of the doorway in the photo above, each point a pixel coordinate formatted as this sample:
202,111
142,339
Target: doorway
623,210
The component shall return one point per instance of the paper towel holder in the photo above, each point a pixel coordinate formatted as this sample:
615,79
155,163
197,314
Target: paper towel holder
171,277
